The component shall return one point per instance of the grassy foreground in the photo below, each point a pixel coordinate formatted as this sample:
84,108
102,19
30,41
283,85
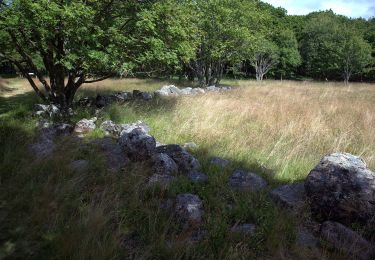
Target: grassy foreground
277,129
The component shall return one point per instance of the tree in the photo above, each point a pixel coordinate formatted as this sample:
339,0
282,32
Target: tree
70,43
265,56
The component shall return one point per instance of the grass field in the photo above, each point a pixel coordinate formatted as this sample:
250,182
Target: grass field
277,129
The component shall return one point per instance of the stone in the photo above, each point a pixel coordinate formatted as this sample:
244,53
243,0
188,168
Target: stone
306,239
79,166
241,179
185,161
137,94
171,89
127,128
245,229
213,89
115,158
137,145
86,102
291,196
162,164
341,188
161,180
347,241
186,91
147,96
103,101
197,91
197,177
189,210
220,162
50,110
111,129
122,96
190,146
85,126
161,93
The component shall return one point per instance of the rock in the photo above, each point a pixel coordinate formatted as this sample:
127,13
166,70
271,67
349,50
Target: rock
147,96
197,177
141,126
246,229
341,188
137,94
196,91
45,145
185,161
189,210
111,129
79,166
161,93
186,91
85,126
247,180
220,162
86,102
347,241
122,96
290,196
306,239
213,89
226,88
47,110
162,164
190,146
103,101
115,158
137,145
162,180
171,89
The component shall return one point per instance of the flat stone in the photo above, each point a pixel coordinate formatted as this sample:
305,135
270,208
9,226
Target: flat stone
241,179
345,240
291,196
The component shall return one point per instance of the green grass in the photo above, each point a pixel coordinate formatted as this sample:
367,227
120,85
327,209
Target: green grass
49,212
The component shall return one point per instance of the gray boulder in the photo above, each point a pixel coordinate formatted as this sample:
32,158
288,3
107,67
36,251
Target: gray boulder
245,229
341,188
116,130
162,164
212,89
241,179
47,110
291,196
347,241
115,158
197,91
127,128
220,162
197,177
111,129
185,161
147,96
307,239
189,210
85,126
137,145
186,91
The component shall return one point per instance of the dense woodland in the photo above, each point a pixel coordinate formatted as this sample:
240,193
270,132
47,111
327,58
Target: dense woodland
87,41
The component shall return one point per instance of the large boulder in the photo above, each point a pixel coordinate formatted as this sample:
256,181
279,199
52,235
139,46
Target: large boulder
116,130
291,196
85,126
245,180
162,164
185,161
189,210
346,241
137,145
341,188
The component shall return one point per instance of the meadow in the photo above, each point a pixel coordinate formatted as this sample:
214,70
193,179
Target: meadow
278,129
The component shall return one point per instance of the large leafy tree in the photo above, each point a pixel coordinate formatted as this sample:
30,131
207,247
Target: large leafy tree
70,43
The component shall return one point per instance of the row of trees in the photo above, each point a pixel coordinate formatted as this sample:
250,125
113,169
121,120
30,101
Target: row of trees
69,43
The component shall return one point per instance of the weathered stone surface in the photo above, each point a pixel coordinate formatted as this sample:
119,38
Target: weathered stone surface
116,130
246,229
197,177
213,89
291,196
79,166
185,161
127,128
137,145
85,126
220,162
196,91
186,91
341,188
147,96
247,180
347,241
115,158
189,210
45,145
161,180
47,110
306,239
111,129
162,164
